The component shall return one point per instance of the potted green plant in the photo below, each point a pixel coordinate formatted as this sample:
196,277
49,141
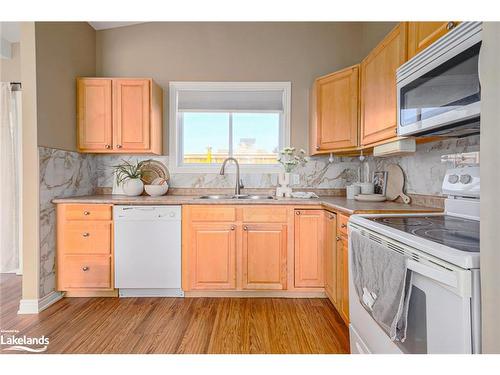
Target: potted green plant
129,175
289,158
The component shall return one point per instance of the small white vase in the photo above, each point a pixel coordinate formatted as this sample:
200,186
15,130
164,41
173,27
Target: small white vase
284,190
133,187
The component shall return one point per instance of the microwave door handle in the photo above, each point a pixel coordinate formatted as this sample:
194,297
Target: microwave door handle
446,277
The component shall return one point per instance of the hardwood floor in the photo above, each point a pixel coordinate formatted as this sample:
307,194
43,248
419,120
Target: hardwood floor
179,325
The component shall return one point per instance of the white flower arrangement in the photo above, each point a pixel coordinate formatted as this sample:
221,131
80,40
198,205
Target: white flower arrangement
290,158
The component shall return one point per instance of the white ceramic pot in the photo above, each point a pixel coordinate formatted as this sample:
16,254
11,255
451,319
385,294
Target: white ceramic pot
133,187
352,191
367,187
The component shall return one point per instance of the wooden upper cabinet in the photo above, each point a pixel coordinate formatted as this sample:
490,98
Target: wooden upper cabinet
423,34
331,257
119,115
264,256
131,104
94,120
378,87
309,250
334,123
212,256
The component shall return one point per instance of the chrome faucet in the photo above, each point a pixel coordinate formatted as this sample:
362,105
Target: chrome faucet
239,182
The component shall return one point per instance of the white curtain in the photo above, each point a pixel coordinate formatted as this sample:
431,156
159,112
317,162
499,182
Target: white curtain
9,178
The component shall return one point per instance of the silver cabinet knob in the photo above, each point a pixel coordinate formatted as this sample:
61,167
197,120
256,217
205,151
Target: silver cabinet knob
343,226
86,234
85,268
118,146
465,179
453,178
233,227
86,213
331,217
245,228
338,238
107,147
297,212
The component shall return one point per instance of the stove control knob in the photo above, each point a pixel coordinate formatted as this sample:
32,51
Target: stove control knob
465,179
453,178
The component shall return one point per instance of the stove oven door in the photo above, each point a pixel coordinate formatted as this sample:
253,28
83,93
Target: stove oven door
439,316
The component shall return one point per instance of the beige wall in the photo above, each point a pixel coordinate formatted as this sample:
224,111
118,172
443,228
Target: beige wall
64,51
296,52
30,182
373,32
10,69
490,181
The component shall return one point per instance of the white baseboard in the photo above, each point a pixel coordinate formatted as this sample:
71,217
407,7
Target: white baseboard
34,306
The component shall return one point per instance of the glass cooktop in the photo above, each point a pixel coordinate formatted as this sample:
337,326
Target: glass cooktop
454,232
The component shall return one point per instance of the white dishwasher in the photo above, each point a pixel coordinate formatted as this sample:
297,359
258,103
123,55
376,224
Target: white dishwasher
148,251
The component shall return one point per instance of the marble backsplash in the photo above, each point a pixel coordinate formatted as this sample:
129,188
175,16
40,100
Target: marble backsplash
317,173
425,169
62,174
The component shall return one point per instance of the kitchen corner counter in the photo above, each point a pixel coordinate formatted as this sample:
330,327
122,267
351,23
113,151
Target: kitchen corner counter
331,203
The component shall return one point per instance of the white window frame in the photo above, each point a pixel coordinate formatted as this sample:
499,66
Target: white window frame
175,145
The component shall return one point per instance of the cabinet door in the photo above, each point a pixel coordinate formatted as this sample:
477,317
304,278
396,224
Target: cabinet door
309,250
331,257
378,87
343,277
94,119
337,110
264,256
131,114
423,34
212,256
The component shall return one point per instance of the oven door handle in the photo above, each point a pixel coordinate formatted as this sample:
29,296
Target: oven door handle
446,277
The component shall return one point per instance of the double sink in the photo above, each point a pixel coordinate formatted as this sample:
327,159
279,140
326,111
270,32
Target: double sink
240,196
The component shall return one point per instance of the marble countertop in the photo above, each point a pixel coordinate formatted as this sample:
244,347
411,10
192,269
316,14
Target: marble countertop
333,203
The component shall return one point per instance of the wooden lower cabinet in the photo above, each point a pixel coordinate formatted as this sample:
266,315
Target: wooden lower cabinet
212,254
343,278
85,250
330,223
229,247
264,256
309,249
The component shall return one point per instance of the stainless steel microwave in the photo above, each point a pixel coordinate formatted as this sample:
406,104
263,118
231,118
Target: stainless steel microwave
438,90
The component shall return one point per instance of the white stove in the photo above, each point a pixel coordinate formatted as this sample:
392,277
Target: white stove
443,256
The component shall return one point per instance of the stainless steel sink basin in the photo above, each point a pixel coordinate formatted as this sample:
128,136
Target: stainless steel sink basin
256,197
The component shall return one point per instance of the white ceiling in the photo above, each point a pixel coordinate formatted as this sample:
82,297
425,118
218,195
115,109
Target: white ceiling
110,25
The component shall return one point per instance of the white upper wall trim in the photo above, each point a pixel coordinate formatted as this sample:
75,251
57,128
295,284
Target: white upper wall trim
110,25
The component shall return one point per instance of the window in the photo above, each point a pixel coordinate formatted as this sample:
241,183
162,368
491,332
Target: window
214,121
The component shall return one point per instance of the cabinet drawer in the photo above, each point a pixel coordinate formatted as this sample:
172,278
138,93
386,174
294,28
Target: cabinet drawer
211,213
342,224
87,212
84,271
86,237
265,214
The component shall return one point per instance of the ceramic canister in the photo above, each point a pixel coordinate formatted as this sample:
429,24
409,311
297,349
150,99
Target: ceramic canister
353,190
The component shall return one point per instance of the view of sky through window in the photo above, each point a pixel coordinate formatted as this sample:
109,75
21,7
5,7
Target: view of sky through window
255,137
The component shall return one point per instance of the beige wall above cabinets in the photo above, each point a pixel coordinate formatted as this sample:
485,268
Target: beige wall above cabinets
119,115
210,51
64,51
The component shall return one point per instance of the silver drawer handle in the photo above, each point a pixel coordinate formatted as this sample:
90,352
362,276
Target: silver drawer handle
343,226
86,234
85,268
